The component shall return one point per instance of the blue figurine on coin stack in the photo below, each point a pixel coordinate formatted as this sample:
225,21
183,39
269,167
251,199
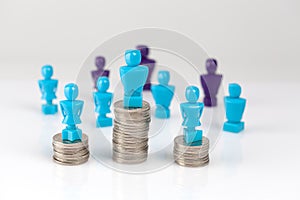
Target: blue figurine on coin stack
71,110
235,107
163,95
133,77
102,100
48,88
191,112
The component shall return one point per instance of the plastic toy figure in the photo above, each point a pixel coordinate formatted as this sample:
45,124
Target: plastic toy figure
191,112
210,83
71,110
235,107
102,100
133,77
48,88
100,63
163,94
150,63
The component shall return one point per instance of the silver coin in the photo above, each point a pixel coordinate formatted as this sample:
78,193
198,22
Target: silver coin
70,163
130,133
191,155
70,153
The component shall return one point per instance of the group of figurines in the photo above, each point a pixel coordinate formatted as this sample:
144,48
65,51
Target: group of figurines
136,77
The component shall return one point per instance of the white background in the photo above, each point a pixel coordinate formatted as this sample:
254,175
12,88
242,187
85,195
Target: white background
253,40
256,44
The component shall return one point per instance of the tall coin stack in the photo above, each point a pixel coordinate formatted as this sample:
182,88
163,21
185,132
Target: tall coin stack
70,153
193,155
130,133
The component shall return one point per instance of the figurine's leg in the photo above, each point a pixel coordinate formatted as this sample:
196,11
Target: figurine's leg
71,133
103,121
162,112
191,136
49,108
210,101
234,127
134,100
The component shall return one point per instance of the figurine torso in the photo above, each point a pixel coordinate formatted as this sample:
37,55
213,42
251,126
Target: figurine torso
133,78
48,88
163,94
71,111
234,108
210,84
191,113
102,102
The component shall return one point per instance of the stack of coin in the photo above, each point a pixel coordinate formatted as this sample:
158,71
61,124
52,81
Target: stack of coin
130,133
193,155
66,153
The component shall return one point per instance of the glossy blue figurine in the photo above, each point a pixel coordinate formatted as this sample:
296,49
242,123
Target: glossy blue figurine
163,95
48,88
133,77
235,107
191,112
71,110
102,100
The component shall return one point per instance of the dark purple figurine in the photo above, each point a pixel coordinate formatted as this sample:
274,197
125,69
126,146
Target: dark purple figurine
210,83
100,63
146,62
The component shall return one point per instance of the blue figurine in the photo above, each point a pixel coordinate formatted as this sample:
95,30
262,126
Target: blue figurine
133,77
102,100
71,110
163,95
235,107
48,88
191,112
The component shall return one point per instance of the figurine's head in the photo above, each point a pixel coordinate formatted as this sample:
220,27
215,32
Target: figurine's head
71,91
163,77
234,90
103,84
143,49
132,57
47,71
192,94
211,65
100,62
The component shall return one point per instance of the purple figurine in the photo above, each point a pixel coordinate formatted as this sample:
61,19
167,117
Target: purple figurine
150,63
100,63
210,83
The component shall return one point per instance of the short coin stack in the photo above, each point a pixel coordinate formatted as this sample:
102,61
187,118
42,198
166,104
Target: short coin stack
70,153
130,133
191,156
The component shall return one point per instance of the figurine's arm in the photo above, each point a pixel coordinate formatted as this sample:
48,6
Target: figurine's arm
63,110
201,109
95,99
81,108
182,111
109,102
55,86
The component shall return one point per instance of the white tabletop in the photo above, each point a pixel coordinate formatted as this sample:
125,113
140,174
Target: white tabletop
262,162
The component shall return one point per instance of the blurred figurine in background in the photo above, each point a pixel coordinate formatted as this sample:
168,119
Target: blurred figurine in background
150,63
100,64
235,107
210,83
133,77
102,100
71,110
48,89
163,95
191,112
